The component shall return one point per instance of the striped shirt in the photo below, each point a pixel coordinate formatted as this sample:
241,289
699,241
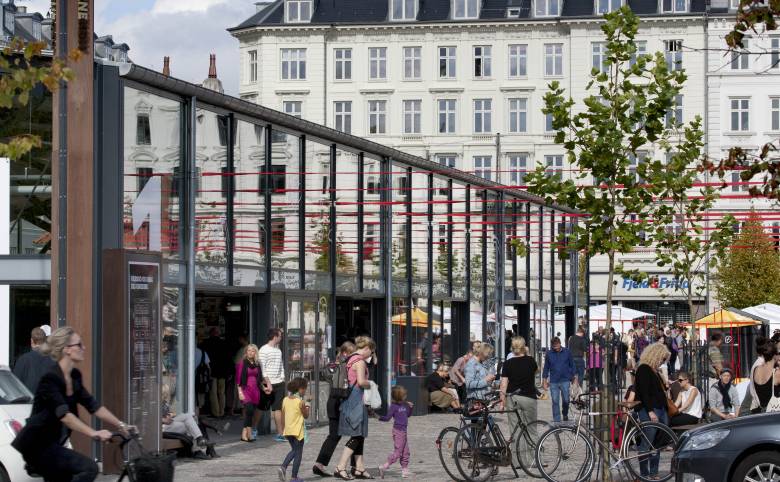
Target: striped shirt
271,361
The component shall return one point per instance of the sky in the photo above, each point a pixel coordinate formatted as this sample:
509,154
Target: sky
185,30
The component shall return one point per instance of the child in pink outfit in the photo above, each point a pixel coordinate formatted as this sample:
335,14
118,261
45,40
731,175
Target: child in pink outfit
400,411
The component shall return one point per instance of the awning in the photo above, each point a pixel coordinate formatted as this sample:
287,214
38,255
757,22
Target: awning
619,313
728,318
768,311
419,318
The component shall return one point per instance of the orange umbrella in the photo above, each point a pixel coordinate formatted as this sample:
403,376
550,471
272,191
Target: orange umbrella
419,318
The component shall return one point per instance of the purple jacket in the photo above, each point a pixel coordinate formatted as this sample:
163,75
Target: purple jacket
400,412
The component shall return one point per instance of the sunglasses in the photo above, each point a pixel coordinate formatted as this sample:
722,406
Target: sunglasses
79,344
682,380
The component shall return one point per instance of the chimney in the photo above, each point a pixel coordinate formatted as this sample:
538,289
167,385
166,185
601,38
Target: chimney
213,66
21,9
166,66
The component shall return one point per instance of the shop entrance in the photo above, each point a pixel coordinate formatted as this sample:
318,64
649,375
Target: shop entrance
353,319
228,313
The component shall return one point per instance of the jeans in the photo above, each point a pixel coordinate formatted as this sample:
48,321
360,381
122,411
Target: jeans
649,465
295,455
400,449
579,369
59,464
558,391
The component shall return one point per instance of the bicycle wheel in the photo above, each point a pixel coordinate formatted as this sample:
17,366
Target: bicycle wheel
473,447
526,441
447,453
565,455
647,452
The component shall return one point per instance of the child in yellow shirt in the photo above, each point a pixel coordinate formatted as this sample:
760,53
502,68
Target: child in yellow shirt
295,410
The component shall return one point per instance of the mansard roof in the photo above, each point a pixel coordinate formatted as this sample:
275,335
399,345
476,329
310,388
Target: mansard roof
361,12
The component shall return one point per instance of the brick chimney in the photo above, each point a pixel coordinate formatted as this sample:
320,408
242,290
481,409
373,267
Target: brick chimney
166,66
213,66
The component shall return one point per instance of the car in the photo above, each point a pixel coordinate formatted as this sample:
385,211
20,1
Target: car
15,406
737,450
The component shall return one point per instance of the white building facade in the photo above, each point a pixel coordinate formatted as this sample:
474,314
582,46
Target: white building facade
462,82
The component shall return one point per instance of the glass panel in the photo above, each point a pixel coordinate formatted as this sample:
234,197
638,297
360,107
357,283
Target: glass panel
317,201
174,343
399,192
441,230
372,228
422,344
249,206
30,200
520,235
309,337
533,251
210,198
283,185
419,194
459,244
323,345
346,220
293,336
477,230
163,157
401,365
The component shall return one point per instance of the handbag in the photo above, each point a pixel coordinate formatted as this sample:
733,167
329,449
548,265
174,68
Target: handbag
774,401
671,408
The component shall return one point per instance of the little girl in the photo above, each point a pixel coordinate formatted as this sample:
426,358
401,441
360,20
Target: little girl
295,410
400,410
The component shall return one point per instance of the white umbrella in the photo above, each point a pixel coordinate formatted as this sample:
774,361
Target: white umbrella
620,314
769,311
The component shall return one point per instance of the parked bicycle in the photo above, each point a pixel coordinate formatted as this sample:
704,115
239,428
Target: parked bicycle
478,447
566,453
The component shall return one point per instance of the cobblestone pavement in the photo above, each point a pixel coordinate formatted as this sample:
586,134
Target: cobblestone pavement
244,462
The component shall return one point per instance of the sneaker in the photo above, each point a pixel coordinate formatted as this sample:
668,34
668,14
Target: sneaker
282,472
280,438
405,474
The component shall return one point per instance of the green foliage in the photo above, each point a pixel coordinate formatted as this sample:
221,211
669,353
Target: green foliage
21,73
749,273
750,14
322,243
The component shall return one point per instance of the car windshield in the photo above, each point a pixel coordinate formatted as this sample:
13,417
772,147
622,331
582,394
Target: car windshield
12,390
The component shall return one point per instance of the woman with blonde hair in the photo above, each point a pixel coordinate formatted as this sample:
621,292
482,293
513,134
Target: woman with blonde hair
55,414
478,378
518,390
250,380
353,421
650,390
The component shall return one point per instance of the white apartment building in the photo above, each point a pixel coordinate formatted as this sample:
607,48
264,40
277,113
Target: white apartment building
462,82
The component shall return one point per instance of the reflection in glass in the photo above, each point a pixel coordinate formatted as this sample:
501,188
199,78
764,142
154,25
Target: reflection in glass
248,206
346,219
372,228
317,204
282,184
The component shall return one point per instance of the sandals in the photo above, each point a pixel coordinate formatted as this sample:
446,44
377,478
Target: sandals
342,474
363,474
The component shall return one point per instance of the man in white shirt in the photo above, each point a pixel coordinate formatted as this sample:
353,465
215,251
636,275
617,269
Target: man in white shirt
272,364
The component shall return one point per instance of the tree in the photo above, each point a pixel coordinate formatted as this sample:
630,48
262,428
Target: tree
749,273
630,95
321,242
750,14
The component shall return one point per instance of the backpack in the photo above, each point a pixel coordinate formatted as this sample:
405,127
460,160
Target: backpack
202,375
338,376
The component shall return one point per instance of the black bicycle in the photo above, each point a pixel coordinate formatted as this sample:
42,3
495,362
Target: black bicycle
140,465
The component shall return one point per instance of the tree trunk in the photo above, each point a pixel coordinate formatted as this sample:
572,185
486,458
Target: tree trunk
607,397
693,345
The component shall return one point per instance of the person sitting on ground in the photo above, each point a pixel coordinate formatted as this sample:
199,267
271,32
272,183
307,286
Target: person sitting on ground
182,424
440,390
688,401
724,399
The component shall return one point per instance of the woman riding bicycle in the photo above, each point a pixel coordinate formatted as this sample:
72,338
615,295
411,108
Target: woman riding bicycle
55,414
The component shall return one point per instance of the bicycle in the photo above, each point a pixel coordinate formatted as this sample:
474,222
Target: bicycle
145,466
480,447
638,444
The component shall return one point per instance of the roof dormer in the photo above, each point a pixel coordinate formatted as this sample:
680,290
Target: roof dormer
298,11
547,8
403,10
465,9
9,11
675,6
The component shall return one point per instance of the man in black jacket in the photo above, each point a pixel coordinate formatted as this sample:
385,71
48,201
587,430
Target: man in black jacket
221,366
31,366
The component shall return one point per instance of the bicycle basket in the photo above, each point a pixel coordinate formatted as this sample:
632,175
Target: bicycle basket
151,468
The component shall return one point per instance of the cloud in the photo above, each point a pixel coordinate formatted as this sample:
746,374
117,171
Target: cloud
187,31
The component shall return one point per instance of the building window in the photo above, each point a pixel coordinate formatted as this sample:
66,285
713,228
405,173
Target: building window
548,8
377,63
482,165
143,131
518,115
222,130
412,116
446,116
518,60
277,234
513,13
377,116
675,6
775,113
673,54
277,177
227,182
599,56
606,6
633,164
343,64
38,33
463,9
293,64
518,166
740,114
641,49
482,61
447,60
674,117
298,11
412,63
554,165
740,58
774,52
403,9
343,112
293,108
553,60
372,180
737,184
253,66
446,160
143,174
548,123
482,115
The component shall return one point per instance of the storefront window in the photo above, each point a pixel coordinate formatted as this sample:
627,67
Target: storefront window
346,220
174,346
248,206
372,226
282,184
402,366
30,181
399,263
317,205
153,174
420,240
